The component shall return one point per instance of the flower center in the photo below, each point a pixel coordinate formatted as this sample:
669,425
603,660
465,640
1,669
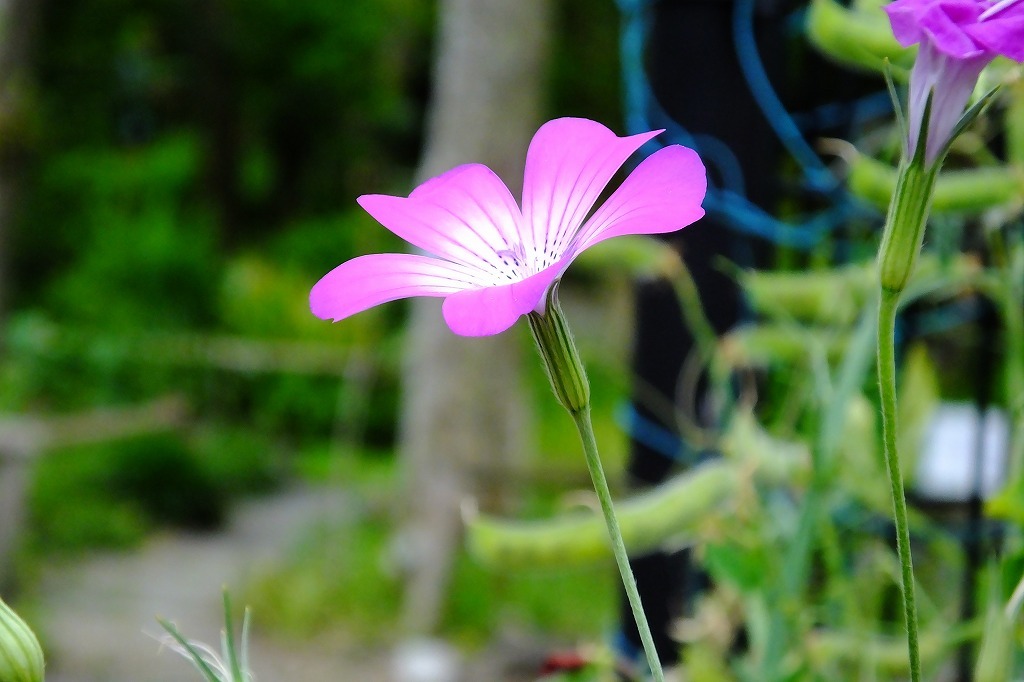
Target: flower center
996,9
517,265
512,263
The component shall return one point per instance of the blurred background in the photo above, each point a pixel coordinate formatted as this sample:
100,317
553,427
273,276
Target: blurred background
175,177
176,174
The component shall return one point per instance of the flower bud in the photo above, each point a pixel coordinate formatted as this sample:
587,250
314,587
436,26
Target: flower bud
561,359
904,226
21,657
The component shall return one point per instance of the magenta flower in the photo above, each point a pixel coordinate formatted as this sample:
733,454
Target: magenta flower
491,261
958,38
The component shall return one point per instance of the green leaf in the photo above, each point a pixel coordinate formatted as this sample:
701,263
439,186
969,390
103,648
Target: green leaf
229,641
197,659
732,564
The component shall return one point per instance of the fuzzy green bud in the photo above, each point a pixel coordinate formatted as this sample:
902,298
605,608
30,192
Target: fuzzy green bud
905,223
21,657
561,359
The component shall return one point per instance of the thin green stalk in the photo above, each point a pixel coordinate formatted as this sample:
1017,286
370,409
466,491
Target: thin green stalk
586,430
572,389
900,247
887,306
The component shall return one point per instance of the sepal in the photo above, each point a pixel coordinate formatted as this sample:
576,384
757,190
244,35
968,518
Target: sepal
21,657
561,359
905,223
897,106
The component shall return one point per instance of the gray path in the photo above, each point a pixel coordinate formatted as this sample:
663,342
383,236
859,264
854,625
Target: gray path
99,610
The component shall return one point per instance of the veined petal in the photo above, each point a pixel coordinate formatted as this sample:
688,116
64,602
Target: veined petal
367,281
466,215
568,165
662,194
491,310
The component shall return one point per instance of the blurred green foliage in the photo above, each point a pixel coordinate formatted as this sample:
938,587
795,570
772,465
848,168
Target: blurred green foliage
333,579
110,495
190,170
344,576
150,258
167,132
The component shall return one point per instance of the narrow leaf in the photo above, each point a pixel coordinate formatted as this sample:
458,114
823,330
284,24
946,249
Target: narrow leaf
197,659
897,106
229,641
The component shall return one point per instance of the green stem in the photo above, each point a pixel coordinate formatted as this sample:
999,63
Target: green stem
586,429
887,390
569,382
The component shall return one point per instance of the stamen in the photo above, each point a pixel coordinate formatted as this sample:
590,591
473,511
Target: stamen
996,9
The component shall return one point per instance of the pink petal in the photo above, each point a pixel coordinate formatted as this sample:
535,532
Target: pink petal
951,92
492,310
944,23
466,215
568,165
662,194
904,17
1002,34
367,281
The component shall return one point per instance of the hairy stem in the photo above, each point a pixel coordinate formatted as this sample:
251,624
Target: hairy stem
887,390
572,389
586,429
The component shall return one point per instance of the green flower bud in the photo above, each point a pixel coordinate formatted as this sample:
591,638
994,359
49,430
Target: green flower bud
904,226
21,657
561,359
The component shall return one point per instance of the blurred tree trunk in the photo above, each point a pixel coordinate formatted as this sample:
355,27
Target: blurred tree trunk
464,408
17,28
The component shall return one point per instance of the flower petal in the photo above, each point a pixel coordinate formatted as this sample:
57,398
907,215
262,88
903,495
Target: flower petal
466,215
951,92
1002,34
568,165
944,23
367,281
662,194
904,16
492,310
961,28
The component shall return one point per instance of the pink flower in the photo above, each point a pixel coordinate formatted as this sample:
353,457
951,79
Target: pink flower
491,261
958,39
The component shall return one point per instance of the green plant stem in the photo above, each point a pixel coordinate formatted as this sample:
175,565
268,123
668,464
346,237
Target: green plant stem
586,429
568,378
887,306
